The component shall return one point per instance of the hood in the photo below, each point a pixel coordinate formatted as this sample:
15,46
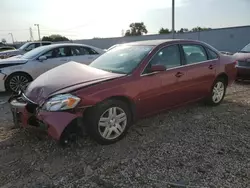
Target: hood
11,52
69,75
241,56
13,60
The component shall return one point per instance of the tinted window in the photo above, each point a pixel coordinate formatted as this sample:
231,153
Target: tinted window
90,51
194,53
45,44
31,47
58,52
121,59
169,57
211,54
80,50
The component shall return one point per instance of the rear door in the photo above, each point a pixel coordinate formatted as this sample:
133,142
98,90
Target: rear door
84,55
201,66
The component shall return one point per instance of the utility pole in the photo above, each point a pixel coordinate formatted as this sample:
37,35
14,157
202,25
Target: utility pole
173,18
12,37
38,33
31,35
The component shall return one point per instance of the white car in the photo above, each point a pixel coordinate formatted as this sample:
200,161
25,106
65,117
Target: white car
16,72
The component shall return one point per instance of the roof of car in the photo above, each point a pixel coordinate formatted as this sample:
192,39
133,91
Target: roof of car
158,42
67,44
52,46
39,42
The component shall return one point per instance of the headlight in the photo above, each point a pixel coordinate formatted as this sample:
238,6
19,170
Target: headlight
61,102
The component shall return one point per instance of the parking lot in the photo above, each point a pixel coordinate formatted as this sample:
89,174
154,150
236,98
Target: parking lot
193,146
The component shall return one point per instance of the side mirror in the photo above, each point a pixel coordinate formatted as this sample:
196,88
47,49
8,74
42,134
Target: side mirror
42,58
157,68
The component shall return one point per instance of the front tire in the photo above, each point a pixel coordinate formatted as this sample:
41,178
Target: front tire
217,92
16,81
109,121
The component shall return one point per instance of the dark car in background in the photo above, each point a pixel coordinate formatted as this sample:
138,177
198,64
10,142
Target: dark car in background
5,48
23,49
243,65
128,82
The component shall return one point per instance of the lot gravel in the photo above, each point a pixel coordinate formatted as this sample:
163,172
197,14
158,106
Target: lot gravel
193,146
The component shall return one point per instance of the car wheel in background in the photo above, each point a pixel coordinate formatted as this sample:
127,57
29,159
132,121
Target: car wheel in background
16,81
108,121
217,92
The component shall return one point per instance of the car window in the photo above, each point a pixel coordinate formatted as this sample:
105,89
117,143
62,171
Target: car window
79,50
211,54
45,44
168,56
58,52
90,51
246,49
30,47
194,53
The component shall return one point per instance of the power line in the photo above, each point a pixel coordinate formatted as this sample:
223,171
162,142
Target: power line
14,30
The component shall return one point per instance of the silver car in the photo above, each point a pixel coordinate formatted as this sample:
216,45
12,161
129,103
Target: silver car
23,49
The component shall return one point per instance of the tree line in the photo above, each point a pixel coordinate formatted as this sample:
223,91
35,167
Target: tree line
139,28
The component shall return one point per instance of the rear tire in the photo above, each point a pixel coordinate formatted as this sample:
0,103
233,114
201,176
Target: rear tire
217,92
16,81
108,121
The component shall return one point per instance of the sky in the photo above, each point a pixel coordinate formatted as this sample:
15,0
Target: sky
82,19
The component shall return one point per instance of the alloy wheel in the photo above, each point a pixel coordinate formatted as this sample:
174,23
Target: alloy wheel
112,123
218,92
18,82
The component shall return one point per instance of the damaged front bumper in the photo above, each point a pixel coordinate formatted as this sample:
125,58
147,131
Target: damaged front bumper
26,113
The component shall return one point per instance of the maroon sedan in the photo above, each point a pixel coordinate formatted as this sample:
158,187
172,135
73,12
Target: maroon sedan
131,81
243,65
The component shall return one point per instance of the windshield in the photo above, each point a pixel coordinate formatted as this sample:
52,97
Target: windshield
33,53
121,59
246,49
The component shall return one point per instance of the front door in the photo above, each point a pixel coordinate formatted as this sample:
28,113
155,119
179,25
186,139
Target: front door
162,90
202,68
175,93
55,57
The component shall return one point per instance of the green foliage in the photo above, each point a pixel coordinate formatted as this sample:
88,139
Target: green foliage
183,30
195,29
55,38
164,31
136,29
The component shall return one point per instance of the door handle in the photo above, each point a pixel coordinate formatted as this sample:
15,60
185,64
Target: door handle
179,74
210,66
63,59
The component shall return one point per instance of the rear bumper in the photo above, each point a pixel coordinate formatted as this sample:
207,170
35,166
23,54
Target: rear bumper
52,122
243,73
